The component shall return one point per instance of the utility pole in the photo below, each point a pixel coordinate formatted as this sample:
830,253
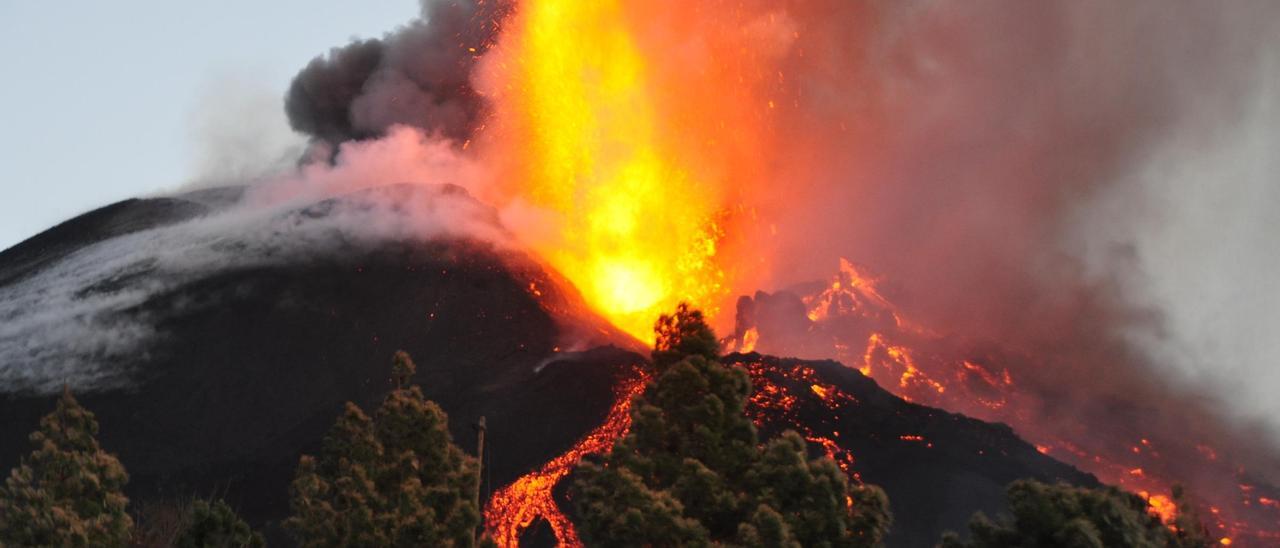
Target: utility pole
480,428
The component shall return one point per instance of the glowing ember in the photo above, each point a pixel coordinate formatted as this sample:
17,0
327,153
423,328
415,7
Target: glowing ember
850,291
515,507
898,359
772,400
1162,506
749,340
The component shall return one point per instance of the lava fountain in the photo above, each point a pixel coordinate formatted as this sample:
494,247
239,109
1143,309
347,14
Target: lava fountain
617,166
631,176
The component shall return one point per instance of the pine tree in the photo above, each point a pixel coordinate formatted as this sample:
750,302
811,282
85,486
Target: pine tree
692,469
682,335
395,479
216,525
68,491
1064,515
1188,530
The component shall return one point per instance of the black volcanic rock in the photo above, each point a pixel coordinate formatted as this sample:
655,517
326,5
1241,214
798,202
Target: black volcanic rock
938,468
246,363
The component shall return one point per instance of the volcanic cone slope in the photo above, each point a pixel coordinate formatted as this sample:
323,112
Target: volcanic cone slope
241,366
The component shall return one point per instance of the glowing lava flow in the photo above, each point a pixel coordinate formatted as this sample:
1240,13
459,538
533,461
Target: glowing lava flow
867,331
772,400
851,291
515,507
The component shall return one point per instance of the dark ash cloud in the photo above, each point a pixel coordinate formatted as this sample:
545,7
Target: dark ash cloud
418,76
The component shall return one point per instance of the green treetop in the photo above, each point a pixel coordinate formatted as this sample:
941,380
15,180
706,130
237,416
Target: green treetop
214,524
395,479
1068,516
68,491
692,469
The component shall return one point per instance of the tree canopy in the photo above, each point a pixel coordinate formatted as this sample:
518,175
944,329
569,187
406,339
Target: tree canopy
692,469
1064,515
395,479
68,491
215,524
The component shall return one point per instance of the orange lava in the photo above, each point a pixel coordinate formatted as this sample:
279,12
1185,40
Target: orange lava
775,401
749,340
515,507
616,164
1162,506
914,363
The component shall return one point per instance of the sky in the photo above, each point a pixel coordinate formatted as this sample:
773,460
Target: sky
110,100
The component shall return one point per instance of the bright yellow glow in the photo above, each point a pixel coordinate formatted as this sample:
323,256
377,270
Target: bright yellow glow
636,231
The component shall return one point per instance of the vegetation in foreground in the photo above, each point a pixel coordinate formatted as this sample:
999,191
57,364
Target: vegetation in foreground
395,479
70,492
692,471
1068,516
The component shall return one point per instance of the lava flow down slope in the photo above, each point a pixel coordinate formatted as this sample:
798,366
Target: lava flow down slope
513,190
241,363
850,319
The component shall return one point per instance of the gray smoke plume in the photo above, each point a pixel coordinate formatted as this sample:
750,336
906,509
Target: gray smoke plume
1091,185
416,76
994,160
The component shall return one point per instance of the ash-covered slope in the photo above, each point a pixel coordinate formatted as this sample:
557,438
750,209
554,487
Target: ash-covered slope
216,346
243,351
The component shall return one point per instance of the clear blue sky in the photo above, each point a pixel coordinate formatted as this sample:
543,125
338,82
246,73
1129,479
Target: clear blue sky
99,97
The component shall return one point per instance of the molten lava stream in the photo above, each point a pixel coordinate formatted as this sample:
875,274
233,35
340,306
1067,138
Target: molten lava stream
514,508
773,401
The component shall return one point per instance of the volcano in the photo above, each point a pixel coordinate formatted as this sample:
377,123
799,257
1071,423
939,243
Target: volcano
513,191
214,373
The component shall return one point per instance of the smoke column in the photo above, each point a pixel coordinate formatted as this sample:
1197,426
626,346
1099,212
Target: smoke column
417,76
